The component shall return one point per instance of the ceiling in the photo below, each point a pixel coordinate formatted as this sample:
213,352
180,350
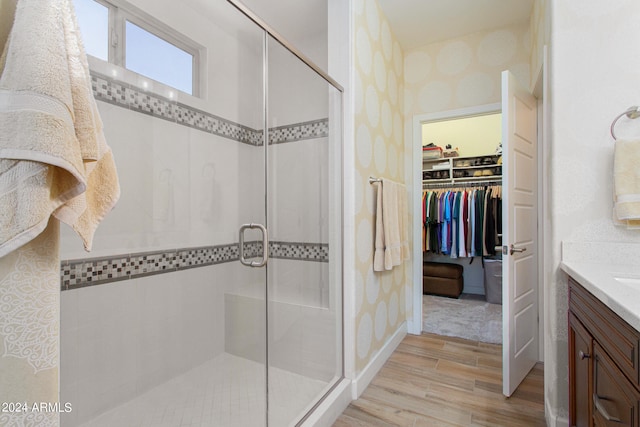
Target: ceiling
414,23
420,22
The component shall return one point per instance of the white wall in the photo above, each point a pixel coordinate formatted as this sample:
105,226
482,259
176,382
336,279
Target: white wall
595,71
302,24
472,136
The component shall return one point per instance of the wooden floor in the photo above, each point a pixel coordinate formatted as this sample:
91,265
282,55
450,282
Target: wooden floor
432,380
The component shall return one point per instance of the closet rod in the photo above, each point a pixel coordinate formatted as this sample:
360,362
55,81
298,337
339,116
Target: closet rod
461,184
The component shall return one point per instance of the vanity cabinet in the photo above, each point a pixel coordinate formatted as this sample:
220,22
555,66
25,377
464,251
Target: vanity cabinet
604,382
581,349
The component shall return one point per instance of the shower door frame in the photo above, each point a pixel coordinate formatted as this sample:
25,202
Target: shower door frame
269,31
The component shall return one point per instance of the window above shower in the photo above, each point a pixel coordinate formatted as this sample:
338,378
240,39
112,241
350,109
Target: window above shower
117,33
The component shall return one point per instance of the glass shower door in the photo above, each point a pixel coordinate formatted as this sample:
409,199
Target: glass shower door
245,298
304,280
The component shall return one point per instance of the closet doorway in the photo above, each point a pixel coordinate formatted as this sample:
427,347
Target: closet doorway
461,188
518,187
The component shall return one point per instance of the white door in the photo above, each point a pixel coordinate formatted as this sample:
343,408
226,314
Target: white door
520,338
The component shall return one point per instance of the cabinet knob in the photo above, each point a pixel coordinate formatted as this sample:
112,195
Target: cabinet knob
583,355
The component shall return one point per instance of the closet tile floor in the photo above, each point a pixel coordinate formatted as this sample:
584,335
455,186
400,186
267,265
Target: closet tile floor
432,380
226,391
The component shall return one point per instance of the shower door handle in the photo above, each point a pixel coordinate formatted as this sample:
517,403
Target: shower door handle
265,245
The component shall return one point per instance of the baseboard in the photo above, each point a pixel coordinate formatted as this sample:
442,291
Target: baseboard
475,290
369,372
332,407
414,328
553,420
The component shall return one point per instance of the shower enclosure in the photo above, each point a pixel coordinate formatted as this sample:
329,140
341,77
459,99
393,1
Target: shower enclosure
213,295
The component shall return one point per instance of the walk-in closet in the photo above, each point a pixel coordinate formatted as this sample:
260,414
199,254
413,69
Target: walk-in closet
462,227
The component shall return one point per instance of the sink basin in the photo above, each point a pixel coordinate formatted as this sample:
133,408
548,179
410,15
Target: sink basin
629,281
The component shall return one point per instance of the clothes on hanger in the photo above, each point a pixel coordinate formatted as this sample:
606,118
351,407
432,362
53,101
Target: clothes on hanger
462,222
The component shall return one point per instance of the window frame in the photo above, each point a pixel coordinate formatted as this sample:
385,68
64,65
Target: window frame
120,12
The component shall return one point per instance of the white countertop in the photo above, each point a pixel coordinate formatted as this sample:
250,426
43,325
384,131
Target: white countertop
602,276
599,279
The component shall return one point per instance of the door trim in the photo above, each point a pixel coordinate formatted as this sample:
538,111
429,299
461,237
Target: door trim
414,299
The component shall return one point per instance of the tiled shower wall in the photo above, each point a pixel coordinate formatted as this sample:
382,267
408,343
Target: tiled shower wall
132,98
166,257
114,267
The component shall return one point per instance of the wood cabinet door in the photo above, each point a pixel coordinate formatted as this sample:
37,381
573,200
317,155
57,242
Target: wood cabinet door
580,369
615,400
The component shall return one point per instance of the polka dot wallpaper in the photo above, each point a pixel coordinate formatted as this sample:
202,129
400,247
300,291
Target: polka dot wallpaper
390,87
379,152
465,71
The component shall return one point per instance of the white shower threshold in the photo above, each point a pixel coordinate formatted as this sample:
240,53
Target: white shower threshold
225,391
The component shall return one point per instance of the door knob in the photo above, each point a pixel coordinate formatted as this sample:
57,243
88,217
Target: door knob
513,249
583,355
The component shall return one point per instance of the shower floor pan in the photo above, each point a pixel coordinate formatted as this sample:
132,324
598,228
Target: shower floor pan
226,391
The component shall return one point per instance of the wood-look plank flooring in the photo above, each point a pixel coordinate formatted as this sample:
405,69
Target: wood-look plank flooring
431,380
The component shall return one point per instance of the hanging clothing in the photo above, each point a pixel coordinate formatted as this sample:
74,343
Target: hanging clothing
479,212
464,226
471,239
425,248
455,214
462,223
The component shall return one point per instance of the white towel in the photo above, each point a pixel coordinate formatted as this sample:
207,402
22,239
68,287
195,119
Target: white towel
626,176
391,226
54,159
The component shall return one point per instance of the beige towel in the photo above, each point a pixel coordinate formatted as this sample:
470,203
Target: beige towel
392,243
626,177
403,218
391,219
54,159
378,256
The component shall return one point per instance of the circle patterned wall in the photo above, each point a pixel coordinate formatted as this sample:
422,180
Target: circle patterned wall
379,152
465,71
390,87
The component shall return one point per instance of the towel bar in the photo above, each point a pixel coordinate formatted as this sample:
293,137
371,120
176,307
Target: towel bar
632,112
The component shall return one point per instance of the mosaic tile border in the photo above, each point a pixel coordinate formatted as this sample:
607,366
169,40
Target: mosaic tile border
80,273
299,251
130,97
290,250
299,131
